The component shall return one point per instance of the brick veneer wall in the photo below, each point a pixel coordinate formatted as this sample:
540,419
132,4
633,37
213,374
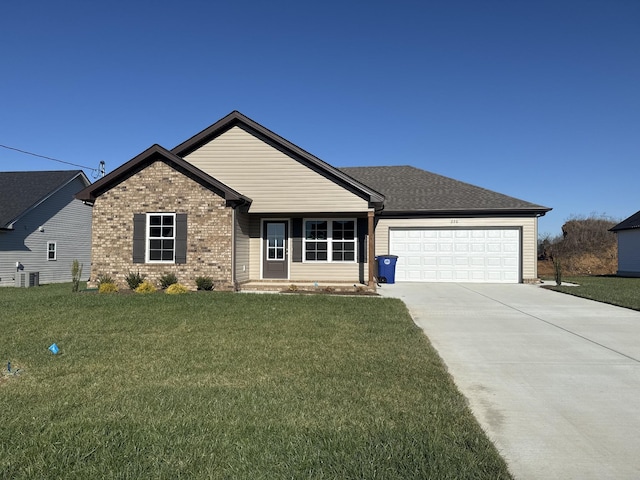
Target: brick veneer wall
160,188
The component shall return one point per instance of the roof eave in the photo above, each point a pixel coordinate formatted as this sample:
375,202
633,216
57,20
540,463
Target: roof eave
79,173
527,212
158,153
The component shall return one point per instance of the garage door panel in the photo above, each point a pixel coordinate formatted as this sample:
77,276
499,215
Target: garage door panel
457,255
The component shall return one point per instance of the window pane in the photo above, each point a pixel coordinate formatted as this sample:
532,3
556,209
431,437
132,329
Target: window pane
349,256
167,255
167,231
155,244
155,231
155,220
322,256
155,255
167,244
167,220
343,229
321,245
316,230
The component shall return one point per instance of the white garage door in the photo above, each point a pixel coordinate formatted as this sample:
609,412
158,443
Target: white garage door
456,255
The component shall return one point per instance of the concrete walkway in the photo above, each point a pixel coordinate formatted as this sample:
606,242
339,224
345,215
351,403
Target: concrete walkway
553,379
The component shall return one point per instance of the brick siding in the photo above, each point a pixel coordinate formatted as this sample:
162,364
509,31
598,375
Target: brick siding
159,188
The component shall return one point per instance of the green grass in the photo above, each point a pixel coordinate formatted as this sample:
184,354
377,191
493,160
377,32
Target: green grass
222,385
624,292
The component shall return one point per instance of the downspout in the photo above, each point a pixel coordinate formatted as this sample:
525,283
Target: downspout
372,250
233,248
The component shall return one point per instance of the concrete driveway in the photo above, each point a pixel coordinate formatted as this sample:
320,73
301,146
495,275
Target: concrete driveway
553,379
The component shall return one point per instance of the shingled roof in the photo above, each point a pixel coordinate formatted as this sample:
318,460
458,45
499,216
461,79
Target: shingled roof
628,224
21,191
412,190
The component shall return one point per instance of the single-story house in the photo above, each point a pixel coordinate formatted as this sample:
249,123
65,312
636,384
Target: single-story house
243,205
628,234
43,228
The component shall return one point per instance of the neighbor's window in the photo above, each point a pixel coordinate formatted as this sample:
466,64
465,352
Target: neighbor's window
330,241
51,251
161,237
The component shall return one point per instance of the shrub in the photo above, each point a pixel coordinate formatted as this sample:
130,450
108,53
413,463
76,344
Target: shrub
107,287
104,278
167,279
176,289
76,273
135,279
204,283
146,287
557,271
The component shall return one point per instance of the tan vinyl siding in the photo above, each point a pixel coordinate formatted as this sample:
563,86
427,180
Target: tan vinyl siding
528,225
255,246
258,170
242,247
332,271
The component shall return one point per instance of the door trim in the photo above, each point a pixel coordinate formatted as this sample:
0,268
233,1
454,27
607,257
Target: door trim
287,246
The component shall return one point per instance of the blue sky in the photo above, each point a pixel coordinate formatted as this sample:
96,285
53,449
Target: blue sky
539,100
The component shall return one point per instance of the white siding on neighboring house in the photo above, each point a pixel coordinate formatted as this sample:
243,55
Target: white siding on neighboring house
275,182
527,225
65,222
629,252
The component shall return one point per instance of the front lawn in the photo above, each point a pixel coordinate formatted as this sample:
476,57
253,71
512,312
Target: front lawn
624,292
222,385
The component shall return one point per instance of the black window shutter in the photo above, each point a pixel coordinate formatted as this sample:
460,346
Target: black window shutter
181,238
363,230
296,234
139,237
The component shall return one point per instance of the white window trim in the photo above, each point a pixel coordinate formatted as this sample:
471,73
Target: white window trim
55,251
329,240
148,238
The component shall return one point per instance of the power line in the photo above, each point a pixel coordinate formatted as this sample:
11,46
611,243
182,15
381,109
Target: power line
49,158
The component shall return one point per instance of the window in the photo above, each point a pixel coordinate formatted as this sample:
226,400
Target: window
51,251
344,241
330,241
316,240
161,237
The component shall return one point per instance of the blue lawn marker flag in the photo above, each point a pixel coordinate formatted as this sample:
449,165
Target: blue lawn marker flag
54,348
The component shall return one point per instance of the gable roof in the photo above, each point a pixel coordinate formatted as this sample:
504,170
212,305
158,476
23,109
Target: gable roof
153,154
237,119
20,192
628,223
410,190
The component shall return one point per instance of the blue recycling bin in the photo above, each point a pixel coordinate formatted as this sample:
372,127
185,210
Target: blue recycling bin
387,268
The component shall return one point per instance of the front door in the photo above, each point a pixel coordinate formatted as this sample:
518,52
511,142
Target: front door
275,251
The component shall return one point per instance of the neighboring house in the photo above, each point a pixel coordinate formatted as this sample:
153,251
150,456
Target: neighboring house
241,204
43,228
628,233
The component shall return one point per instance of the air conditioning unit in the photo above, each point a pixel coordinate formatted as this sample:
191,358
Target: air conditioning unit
27,279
